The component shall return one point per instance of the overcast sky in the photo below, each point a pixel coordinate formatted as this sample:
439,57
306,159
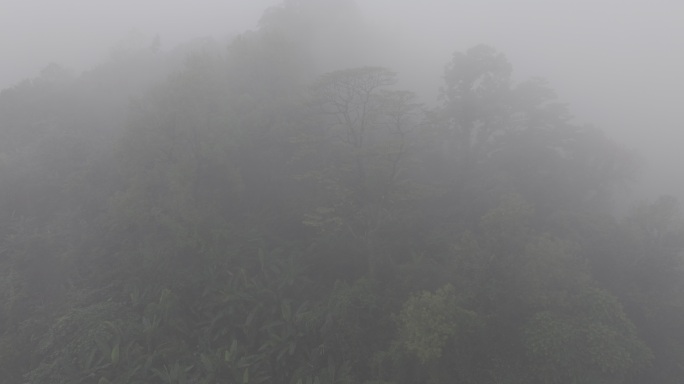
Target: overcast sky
617,63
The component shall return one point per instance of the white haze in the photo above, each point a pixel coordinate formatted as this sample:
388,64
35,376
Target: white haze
80,33
617,63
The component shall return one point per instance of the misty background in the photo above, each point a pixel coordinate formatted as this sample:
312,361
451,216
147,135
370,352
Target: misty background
616,63
340,191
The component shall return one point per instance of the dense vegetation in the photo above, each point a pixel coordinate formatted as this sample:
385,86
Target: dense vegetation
239,218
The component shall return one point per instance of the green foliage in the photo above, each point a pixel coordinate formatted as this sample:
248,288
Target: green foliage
245,221
429,321
550,271
587,338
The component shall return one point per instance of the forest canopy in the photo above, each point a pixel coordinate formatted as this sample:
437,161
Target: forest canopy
252,213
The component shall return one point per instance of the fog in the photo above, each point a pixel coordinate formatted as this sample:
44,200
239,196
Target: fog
616,63
341,191
79,33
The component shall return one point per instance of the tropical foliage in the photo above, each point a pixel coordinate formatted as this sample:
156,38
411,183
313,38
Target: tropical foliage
240,218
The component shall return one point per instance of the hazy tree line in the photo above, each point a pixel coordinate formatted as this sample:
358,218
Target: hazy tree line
237,217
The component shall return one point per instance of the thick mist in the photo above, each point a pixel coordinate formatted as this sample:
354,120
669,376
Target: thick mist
615,63
340,191
78,34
